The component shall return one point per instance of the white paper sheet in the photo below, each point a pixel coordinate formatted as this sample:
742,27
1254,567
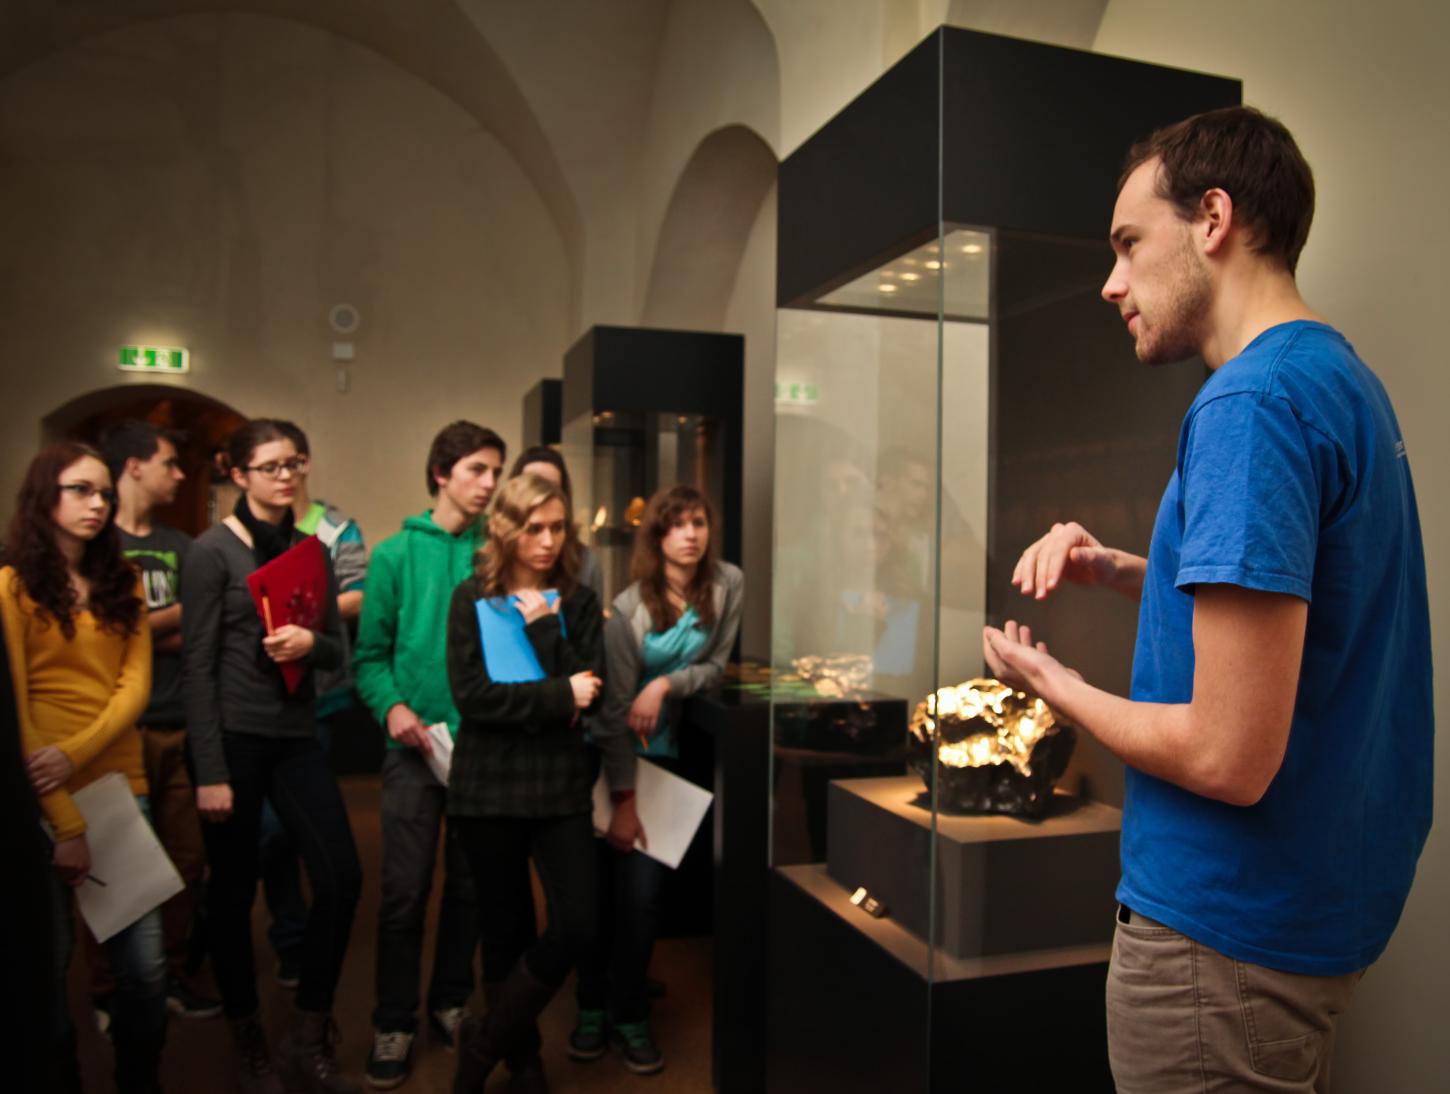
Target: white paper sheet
670,809
440,759
130,870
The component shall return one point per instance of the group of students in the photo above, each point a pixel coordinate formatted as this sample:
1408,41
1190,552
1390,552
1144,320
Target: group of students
189,702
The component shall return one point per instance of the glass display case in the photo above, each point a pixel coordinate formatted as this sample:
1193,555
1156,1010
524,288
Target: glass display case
646,409
949,383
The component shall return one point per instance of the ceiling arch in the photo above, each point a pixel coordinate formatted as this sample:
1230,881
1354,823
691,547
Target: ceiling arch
433,40
706,228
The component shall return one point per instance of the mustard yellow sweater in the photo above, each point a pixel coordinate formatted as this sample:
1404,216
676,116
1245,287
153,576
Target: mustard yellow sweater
82,695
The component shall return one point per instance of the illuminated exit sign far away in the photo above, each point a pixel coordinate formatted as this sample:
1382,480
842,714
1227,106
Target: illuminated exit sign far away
155,359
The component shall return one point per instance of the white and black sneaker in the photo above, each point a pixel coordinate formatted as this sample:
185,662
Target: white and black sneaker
388,1059
445,1022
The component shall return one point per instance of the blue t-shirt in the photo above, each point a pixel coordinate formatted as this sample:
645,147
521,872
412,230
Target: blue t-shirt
1292,478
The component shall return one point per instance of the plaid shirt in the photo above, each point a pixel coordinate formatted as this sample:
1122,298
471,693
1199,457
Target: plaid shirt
520,751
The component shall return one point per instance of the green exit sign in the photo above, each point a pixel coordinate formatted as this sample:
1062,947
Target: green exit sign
155,359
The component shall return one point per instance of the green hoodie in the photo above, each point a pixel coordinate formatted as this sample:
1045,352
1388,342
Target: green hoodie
400,654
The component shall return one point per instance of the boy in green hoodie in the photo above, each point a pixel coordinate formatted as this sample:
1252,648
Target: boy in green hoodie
402,676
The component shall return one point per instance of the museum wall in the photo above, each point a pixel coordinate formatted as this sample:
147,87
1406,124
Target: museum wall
1364,89
219,182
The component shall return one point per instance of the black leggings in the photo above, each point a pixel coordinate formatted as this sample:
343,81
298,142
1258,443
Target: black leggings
293,775
563,852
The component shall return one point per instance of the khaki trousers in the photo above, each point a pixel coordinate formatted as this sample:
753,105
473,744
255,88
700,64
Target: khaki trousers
1183,1017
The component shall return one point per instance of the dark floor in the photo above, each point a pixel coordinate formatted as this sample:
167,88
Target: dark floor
199,1055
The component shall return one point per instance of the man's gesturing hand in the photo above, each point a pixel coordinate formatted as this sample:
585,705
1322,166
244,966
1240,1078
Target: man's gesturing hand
1015,659
1068,551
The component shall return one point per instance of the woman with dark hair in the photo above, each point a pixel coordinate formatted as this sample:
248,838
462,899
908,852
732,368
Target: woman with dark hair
543,461
253,739
80,658
524,660
668,637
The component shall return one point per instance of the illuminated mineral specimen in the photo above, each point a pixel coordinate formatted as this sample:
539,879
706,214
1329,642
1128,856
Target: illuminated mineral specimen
995,749
837,675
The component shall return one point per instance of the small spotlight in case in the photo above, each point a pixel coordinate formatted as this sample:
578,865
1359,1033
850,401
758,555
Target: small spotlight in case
868,903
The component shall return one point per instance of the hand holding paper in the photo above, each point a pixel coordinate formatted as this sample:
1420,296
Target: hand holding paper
125,856
439,752
669,807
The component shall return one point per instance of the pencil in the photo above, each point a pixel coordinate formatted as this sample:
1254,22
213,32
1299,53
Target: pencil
266,611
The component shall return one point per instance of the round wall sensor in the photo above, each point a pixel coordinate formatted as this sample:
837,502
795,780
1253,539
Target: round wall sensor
344,318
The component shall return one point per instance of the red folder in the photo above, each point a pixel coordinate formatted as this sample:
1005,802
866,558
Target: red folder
292,588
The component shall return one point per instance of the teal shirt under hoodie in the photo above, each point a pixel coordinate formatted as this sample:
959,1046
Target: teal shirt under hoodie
402,637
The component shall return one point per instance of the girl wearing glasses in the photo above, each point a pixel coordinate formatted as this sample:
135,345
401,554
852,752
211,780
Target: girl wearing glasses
251,740
524,659
80,656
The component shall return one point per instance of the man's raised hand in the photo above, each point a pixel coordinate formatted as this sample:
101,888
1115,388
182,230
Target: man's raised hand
1069,551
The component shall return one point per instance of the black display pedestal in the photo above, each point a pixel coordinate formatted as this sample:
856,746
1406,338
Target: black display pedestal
1003,884
739,725
851,1008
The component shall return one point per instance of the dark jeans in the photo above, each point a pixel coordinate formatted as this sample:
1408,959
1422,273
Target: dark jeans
282,876
138,1008
498,850
413,806
293,775
613,975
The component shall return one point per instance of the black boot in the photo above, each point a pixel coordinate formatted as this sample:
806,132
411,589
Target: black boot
527,1076
138,1062
138,1032
309,1062
64,1067
483,1043
255,1074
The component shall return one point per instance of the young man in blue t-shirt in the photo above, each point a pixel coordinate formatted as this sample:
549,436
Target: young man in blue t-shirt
1279,735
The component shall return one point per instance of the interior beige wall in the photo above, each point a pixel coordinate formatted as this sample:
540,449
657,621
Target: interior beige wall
1364,88
219,182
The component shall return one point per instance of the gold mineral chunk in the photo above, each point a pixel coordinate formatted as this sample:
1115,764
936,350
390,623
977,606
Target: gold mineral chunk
990,723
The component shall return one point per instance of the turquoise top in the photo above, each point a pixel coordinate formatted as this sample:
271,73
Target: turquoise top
665,652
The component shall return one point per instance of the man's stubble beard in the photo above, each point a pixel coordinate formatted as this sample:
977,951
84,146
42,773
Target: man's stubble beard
1177,333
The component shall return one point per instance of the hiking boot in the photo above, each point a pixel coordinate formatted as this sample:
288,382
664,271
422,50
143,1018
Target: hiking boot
388,1060
444,1023
185,1003
475,1059
641,1054
309,1060
254,1062
590,1039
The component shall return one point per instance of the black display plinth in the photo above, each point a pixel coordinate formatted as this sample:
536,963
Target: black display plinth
1003,884
852,1008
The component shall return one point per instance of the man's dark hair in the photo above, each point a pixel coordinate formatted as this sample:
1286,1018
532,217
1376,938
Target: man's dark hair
293,432
454,441
542,453
1251,157
133,439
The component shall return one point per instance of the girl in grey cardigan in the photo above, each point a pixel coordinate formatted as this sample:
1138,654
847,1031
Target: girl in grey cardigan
669,636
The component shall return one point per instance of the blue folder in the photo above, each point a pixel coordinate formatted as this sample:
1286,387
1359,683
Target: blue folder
508,655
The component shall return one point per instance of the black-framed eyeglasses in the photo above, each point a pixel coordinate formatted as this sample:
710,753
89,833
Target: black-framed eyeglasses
274,468
86,491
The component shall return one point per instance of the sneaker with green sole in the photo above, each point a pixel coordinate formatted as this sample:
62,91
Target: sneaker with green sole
637,1045
590,1039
